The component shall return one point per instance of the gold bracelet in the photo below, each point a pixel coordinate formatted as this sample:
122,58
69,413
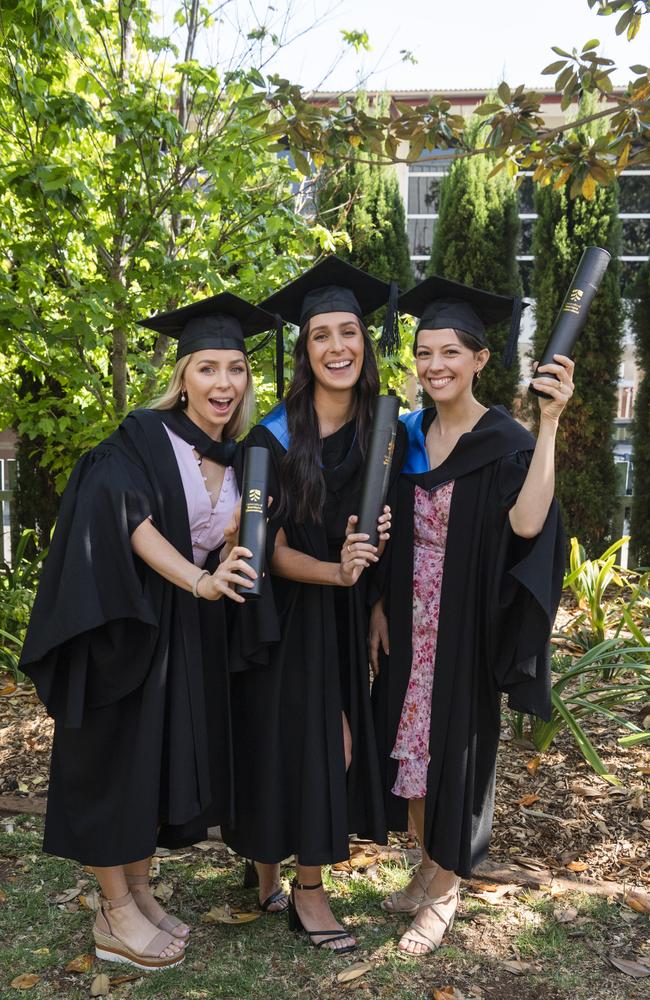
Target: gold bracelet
195,585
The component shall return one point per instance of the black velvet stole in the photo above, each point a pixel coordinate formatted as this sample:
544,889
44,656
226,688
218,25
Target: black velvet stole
222,452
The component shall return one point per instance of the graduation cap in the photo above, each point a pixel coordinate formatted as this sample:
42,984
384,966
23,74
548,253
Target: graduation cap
333,285
221,322
442,304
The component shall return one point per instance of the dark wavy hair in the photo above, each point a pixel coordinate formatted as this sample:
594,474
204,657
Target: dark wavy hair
303,484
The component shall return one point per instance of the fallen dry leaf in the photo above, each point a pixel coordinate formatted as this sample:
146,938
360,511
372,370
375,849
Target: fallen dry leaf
163,892
527,800
224,915
100,986
65,897
25,982
7,689
447,993
354,971
565,915
91,901
533,764
3,896
631,968
586,791
82,963
519,968
637,904
119,980
577,866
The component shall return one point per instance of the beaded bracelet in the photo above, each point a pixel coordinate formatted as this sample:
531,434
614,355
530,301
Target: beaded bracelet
195,585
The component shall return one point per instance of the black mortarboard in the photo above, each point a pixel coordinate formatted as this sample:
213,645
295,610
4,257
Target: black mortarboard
442,304
333,285
221,322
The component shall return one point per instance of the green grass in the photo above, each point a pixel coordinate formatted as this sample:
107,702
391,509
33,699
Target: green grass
263,959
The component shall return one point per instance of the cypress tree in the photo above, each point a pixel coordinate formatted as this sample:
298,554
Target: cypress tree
475,241
640,528
586,476
365,201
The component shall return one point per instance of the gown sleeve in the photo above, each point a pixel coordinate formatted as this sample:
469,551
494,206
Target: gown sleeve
525,598
93,612
254,626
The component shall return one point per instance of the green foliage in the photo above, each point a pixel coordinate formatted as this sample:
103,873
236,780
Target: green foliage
586,476
603,669
589,579
363,201
17,590
475,241
640,527
579,692
131,182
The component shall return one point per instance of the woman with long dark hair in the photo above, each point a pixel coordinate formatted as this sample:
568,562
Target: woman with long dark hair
305,757
126,644
475,580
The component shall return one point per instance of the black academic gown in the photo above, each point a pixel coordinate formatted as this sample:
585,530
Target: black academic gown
133,669
292,794
499,597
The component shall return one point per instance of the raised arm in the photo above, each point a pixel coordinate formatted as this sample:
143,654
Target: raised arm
529,513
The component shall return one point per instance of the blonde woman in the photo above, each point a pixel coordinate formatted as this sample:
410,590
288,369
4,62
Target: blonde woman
124,648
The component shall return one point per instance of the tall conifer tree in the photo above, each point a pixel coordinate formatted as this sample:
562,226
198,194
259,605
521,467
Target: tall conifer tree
475,241
365,201
640,528
586,477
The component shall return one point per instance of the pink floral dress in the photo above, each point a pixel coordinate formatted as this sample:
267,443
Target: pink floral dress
430,521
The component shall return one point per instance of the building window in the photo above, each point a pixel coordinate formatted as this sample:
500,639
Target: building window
420,233
424,194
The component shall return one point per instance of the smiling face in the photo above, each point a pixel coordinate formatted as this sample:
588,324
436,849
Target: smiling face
445,366
215,382
335,349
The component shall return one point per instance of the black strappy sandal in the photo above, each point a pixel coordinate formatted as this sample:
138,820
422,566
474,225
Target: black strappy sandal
296,924
252,881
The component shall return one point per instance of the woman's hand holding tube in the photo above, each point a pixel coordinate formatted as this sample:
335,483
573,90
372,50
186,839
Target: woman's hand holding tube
234,570
559,389
383,529
356,555
378,634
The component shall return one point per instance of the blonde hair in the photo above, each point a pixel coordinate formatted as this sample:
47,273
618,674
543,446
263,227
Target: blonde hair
241,419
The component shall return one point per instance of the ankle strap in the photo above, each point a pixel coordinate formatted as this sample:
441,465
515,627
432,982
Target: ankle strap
137,880
114,904
302,885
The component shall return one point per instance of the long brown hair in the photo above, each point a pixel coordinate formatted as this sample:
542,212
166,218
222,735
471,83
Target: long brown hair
302,478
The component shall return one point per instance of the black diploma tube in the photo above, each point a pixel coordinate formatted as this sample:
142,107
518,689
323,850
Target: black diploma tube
377,466
575,308
254,512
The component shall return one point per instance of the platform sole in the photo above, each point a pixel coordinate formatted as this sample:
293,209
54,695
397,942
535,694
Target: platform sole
108,955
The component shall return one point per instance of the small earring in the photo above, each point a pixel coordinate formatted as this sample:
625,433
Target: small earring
183,397
478,372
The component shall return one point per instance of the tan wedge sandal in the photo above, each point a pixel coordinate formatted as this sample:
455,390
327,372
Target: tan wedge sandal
112,949
168,922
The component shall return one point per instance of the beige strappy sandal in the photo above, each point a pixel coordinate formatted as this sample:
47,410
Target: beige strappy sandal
402,902
415,935
168,922
112,949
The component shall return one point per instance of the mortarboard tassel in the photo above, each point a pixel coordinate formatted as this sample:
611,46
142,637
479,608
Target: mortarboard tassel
389,340
279,356
513,334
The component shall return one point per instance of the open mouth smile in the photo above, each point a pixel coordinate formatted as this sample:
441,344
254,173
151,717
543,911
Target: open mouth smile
220,405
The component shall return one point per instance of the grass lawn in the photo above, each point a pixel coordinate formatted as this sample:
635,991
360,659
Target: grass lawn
261,959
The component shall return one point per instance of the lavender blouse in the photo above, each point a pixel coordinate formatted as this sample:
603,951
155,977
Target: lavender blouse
207,520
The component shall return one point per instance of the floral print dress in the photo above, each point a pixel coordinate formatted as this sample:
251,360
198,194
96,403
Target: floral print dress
430,521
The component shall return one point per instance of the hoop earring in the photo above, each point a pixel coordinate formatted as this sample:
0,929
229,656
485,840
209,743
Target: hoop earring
478,372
